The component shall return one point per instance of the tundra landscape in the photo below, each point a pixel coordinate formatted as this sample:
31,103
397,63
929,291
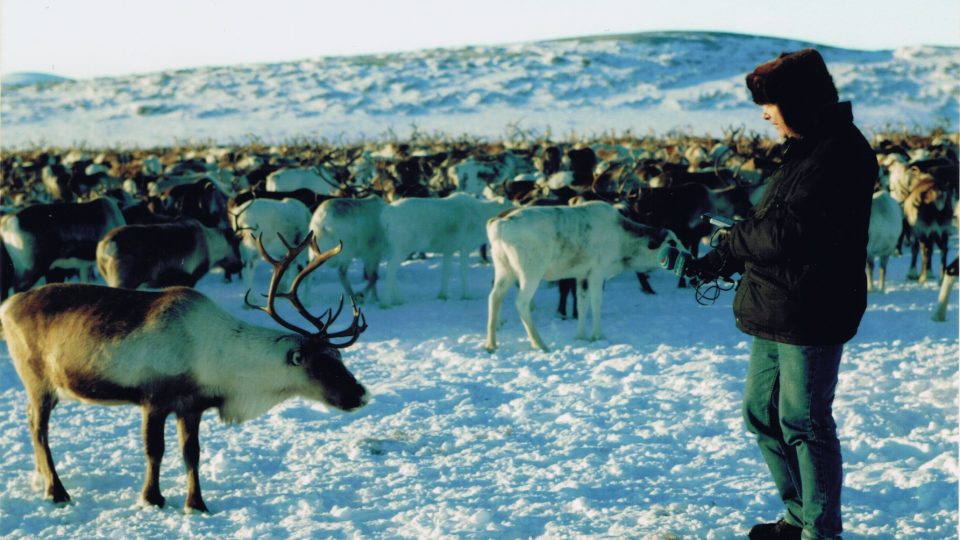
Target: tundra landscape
399,166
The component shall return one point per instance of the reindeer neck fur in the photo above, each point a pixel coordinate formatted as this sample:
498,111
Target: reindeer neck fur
218,248
638,245
924,197
255,359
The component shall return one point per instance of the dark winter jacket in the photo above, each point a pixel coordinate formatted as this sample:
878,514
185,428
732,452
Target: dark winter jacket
802,256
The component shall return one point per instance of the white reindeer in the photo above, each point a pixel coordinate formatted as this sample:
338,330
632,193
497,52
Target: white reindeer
355,223
171,351
452,224
590,242
269,220
886,224
320,180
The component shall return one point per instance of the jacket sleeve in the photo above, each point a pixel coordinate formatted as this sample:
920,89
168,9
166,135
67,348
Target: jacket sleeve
797,227
722,261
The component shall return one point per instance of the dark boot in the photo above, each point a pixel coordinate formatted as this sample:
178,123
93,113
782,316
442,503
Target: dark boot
773,531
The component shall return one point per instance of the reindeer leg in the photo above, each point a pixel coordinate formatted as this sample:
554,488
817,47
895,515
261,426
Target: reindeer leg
883,272
152,427
596,299
528,287
342,274
942,242
464,254
914,250
370,270
502,282
582,290
392,289
563,286
250,272
576,303
445,274
926,248
869,274
904,232
645,283
946,291
86,274
188,429
38,416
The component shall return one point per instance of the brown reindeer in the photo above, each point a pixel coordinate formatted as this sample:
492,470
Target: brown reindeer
929,213
172,351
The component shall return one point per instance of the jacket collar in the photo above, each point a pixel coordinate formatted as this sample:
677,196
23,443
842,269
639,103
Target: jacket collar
829,119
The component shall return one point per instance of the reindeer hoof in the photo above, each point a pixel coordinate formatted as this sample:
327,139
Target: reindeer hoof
195,506
58,495
153,499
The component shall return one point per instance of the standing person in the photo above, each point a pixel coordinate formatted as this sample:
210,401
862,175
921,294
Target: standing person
802,292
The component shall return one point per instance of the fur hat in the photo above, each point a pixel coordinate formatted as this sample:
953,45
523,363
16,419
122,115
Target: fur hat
798,83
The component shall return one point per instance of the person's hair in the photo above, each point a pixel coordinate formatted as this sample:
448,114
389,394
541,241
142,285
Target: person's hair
798,83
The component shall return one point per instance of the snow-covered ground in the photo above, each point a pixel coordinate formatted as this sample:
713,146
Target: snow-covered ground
636,436
644,83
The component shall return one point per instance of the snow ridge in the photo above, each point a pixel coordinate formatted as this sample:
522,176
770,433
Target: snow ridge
662,81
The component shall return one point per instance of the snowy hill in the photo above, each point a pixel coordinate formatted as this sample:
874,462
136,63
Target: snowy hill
25,78
652,82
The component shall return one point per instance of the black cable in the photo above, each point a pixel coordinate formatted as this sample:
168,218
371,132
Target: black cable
707,292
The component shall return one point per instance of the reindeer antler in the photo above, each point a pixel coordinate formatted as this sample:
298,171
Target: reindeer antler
322,322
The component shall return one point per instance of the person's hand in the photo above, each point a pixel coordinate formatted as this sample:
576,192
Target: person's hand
702,270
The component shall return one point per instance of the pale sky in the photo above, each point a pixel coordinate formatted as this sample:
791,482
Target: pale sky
88,38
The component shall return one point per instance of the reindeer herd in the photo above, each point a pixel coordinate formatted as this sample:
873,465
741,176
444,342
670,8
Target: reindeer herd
161,219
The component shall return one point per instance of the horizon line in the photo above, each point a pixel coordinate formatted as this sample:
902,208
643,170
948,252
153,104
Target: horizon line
622,36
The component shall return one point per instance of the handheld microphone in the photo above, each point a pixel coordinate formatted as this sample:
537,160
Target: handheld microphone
671,258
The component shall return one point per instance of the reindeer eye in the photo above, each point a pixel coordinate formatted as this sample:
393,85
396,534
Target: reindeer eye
294,358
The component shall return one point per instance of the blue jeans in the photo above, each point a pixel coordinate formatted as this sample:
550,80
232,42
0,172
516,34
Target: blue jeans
788,405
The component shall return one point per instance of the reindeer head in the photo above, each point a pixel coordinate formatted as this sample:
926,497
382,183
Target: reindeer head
315,353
